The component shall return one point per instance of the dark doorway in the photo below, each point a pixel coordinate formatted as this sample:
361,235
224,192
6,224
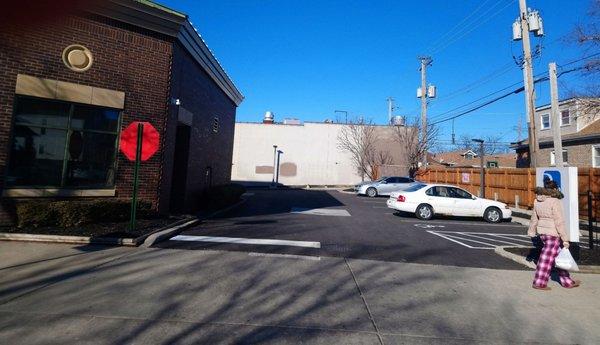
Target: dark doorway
180,167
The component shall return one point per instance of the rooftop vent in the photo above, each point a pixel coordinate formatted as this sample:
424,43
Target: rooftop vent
269,117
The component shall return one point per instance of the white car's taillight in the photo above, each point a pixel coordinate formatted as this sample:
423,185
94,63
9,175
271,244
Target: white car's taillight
401,198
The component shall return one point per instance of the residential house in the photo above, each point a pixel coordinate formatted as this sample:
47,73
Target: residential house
471,159
579,121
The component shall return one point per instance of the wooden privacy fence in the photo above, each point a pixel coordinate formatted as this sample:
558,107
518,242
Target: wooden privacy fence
513,186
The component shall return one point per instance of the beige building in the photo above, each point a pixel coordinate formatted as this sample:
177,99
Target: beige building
310,153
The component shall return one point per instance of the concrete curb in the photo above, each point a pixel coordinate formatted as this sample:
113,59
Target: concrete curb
514,257
167,233
131,242
521,260
121,241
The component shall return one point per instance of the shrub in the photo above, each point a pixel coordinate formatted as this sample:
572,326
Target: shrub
76,213
35,214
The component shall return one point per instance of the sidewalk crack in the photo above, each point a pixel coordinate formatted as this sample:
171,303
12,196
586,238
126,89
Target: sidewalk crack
365,303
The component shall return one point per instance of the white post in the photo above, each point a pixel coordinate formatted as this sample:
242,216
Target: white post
555,120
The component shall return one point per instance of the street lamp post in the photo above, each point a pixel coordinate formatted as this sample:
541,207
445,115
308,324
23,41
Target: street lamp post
482,170
345,113
279,153
274,160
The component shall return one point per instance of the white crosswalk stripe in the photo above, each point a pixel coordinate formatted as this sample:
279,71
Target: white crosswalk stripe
483,240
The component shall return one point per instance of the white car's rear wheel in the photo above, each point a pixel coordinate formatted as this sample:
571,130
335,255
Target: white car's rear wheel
492,215
424,212
371,192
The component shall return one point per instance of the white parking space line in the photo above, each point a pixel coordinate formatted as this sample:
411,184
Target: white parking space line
450,239
483,240
458,222
286,256
321,211
237,240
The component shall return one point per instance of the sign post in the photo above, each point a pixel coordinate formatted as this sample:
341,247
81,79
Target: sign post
136,169
139,142
566,180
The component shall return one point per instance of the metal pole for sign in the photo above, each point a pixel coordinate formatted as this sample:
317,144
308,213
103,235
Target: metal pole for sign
138,158
590,220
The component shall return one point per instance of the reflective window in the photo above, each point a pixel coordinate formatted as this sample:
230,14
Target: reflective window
95,118
545,121
565,118
459,193
61,144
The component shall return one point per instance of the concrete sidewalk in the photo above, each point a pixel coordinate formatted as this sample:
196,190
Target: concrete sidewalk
63,294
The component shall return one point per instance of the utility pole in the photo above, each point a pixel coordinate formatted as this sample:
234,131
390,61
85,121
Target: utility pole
555,118
425,61
390,101
528,80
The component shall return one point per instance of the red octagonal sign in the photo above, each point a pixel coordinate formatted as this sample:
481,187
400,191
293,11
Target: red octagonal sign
150,140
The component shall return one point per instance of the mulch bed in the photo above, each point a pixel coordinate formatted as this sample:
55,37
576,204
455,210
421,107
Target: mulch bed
106,230
587,257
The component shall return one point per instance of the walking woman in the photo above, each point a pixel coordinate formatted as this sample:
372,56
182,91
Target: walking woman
548,222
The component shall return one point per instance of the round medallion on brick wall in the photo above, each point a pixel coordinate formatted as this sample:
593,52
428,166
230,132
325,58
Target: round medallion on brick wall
77,58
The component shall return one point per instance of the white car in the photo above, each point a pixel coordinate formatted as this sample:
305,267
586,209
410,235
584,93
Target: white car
427,200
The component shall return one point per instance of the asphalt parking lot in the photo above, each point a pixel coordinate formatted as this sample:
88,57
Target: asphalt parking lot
309,224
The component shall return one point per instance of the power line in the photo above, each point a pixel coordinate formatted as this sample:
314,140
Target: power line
518,90
443,37
453,40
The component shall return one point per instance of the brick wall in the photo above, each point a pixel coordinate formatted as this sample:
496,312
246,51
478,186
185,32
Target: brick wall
579,156
199,95
125,58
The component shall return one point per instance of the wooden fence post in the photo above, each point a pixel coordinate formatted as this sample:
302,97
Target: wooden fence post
530,188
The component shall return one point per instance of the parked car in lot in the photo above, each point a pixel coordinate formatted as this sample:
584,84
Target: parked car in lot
427,200
384,186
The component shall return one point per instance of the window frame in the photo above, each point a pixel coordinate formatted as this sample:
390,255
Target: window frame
553,157
562,123
68,131
594,148
542,121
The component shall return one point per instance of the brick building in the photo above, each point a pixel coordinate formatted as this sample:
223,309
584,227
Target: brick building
71,81
579,123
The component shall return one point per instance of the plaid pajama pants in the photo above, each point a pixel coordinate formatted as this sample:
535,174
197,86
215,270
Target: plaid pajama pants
546,262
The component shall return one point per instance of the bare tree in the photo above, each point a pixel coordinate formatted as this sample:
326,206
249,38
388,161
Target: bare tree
359,139
588,38
465,142
410,140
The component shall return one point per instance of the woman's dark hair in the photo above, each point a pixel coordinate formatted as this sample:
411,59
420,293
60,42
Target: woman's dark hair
550,184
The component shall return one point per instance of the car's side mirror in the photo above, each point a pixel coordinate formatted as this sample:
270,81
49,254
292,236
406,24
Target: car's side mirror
383,182
473,197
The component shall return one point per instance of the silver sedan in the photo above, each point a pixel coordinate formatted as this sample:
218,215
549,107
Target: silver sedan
383,186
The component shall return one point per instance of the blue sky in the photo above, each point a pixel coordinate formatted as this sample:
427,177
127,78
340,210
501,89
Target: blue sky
305,59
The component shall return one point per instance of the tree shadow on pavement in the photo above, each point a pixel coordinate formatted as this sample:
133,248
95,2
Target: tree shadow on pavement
180,296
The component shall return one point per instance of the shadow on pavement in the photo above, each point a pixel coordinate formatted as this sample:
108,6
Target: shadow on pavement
171,296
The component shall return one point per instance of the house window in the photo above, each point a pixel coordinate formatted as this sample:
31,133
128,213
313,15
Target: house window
553,158
565,118
545,121
596,156
61,144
